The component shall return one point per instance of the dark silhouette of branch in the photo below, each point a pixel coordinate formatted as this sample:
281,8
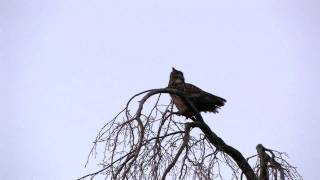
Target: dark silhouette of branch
155,144
183,146
275,165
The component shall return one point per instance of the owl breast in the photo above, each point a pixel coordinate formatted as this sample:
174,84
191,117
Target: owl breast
183,109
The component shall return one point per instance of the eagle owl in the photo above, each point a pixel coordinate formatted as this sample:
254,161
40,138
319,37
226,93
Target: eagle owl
203,101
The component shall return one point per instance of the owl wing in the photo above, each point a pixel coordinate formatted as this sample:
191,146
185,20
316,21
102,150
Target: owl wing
203,100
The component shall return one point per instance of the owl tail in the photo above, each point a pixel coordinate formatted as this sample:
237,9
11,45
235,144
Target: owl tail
219,101
216,103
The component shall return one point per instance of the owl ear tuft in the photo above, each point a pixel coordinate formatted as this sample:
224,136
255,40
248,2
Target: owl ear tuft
173,69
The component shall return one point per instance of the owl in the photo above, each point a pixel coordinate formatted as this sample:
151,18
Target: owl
202,100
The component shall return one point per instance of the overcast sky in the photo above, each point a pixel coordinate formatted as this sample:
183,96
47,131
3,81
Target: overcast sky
68,66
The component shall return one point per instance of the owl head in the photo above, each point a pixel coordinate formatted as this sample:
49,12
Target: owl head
176,78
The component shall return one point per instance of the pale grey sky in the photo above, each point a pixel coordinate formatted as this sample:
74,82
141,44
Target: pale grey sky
67,67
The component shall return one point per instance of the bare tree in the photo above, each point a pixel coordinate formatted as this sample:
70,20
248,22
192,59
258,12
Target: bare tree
155,142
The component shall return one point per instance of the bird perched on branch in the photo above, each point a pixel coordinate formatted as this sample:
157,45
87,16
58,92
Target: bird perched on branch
203,101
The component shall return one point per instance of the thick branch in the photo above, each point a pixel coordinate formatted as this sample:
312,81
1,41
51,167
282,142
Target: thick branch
264,160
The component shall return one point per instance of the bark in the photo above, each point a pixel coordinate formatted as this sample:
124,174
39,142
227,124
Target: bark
265,161
263,156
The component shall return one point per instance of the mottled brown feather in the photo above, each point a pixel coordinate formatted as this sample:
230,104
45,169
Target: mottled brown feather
202,100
